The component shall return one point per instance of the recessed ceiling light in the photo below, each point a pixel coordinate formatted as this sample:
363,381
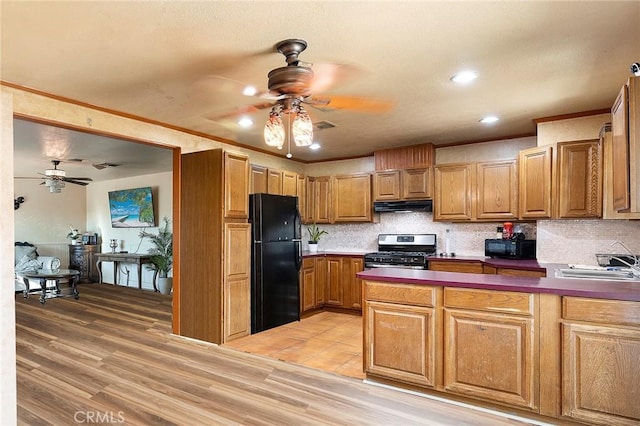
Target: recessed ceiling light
489,119
314,146
249,91
245,122
464,77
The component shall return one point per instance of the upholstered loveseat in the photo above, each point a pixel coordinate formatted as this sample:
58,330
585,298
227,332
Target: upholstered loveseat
27,260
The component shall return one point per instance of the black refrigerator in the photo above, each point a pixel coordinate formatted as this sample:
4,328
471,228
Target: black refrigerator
276,257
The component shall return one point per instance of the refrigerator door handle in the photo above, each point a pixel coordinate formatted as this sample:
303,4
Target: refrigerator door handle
297,221
298,245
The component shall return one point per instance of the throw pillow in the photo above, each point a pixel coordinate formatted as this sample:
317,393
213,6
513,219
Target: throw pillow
22,251
26,264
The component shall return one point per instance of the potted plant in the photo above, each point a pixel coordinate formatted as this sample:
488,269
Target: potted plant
161,255
73,235
314,235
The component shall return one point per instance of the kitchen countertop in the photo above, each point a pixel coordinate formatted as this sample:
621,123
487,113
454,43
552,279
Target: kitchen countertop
600,289
306,253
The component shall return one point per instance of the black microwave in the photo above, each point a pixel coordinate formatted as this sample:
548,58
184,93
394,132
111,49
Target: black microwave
510,249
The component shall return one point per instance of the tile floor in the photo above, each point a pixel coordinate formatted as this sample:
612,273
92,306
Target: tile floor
328,341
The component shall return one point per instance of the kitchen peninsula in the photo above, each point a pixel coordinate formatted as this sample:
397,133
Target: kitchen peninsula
561,348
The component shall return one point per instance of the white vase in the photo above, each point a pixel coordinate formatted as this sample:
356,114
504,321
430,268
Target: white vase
165,284
313,247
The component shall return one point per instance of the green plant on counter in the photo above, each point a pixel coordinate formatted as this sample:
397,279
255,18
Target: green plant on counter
315,233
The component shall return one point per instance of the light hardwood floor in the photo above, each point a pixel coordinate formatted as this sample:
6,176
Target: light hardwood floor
109,356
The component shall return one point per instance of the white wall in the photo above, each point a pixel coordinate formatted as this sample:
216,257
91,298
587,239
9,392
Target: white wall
99,221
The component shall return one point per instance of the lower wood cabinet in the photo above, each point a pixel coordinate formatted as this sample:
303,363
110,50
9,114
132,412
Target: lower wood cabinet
601,361
237,281
400,341
331,281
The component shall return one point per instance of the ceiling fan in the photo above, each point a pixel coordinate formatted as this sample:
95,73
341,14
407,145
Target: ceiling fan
56,178
302,83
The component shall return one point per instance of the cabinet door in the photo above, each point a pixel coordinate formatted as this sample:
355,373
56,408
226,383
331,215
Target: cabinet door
453,183
417,183
620,158
321,280
322,200
352,198
301,191
490,356
258,181
496,190
601,374
334,282
386,185
274,182
579,183
308,285
310,204
351,283
237,280
289,183
534,171
400,342
236,186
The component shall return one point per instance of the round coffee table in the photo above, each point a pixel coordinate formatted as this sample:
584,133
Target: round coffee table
52,291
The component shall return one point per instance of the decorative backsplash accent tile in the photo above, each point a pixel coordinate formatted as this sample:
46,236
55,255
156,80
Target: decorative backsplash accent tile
558,241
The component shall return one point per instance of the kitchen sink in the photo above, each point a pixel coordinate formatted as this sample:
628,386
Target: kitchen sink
620,274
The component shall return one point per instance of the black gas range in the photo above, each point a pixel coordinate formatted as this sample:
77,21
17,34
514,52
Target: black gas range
402,251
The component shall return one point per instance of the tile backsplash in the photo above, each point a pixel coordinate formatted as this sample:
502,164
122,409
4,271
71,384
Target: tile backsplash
558,241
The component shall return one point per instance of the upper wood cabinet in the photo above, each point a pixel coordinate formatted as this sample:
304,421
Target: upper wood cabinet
310,200
322,199
485,191
236,186
578,185
301,191
496,190
405,184
405,157
534,193
258,180
608,209
289,183
352,198
274,182
625,159
453,185
386,185
561,181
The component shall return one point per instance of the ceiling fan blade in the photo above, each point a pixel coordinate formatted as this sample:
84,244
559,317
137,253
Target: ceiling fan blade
77,182
245,109
326,76
78,178
354,103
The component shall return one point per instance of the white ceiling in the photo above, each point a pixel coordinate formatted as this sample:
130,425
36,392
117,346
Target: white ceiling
183,62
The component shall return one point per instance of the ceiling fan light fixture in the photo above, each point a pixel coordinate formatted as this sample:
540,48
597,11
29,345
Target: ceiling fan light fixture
55,172
302,128
274,130
55,186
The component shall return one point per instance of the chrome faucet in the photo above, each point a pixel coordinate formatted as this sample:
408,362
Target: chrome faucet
635,267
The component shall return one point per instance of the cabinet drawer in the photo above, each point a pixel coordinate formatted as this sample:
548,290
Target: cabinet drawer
599,310
509,302
308,262
416,295
456,266
521,272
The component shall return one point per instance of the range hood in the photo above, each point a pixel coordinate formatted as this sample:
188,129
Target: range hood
403,206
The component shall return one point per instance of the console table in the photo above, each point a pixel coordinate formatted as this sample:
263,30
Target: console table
117,258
